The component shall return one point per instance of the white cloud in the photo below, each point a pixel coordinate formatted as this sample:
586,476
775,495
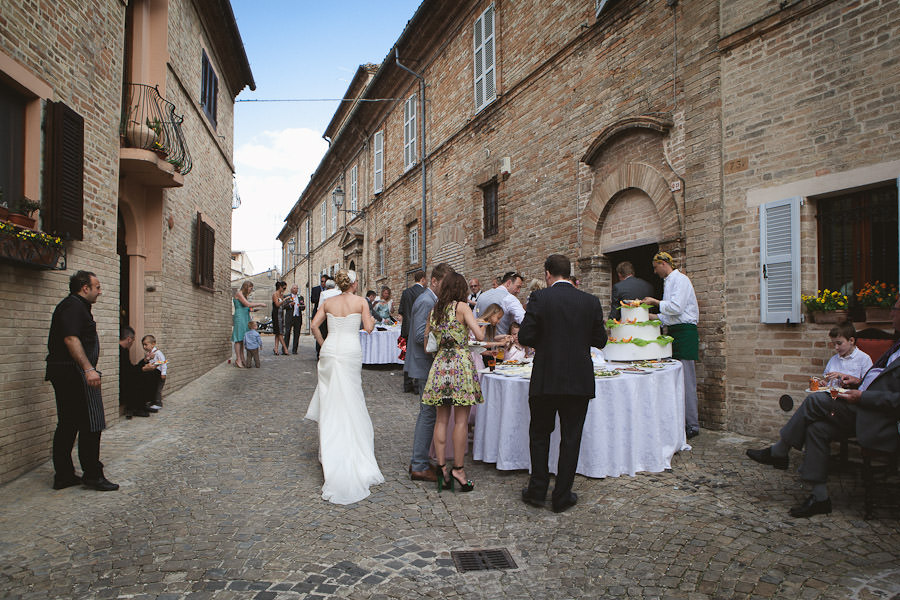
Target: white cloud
273,169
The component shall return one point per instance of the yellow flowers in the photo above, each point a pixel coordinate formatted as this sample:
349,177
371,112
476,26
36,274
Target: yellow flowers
825,300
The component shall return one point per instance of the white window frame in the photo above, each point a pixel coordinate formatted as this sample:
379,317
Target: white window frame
324,220
779,258
413,236
484,58
334,215
354,189
409,133
378,162
380,256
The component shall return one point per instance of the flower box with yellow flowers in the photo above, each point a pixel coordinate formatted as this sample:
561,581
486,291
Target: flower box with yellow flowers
826,306
30,248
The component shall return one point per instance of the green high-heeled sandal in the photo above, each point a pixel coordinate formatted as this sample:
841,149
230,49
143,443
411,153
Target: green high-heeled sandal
466,486
443,482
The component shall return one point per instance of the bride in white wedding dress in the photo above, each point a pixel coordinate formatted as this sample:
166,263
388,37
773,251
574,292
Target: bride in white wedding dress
346,436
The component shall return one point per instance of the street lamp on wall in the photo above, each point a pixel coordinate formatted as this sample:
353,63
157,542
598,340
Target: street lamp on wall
337,197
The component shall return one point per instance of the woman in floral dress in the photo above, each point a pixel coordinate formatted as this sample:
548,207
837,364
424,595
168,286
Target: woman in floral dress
451,382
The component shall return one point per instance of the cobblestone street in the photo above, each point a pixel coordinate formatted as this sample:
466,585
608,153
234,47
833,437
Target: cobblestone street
220,498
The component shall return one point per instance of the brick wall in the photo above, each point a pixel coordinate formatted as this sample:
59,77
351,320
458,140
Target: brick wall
805,105
60,46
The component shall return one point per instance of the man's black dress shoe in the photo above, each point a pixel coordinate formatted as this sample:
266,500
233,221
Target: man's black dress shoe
692,432
812,507
61,484
531,500
765,457
101,485
567,504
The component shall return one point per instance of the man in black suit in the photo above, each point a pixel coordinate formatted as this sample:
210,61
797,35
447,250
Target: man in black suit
628,287
314,297
561,324
407,298
870,411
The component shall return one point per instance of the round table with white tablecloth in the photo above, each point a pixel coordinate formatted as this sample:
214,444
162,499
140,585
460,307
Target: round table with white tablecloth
380,347
634,423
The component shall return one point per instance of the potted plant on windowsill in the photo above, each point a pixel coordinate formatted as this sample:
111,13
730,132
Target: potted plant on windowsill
21,213
877,298
826,306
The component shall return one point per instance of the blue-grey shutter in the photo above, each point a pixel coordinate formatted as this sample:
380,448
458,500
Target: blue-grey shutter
779,254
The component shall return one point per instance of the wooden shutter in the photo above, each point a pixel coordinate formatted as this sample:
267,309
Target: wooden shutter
483,47
63,202
779,250
204,265
378,167
354,188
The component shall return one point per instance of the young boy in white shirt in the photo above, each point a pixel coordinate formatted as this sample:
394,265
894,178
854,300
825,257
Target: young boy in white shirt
848,359
153,356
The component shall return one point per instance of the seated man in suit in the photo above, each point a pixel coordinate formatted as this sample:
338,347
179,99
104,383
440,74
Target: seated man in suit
870,410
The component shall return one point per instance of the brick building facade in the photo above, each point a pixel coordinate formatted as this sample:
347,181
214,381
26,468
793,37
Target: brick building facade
156,170
607,131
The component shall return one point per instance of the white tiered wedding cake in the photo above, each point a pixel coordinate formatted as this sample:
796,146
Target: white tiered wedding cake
636,337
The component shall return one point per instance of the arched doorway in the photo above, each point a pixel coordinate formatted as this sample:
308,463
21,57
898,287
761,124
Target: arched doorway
124,273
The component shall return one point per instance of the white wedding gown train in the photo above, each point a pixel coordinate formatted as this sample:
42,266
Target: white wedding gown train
346,436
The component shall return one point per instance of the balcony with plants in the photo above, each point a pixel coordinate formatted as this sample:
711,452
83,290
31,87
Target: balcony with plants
153,142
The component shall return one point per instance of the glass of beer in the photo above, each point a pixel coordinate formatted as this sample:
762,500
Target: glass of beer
489,361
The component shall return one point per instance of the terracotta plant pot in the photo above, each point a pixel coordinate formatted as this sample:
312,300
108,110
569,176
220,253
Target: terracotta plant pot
878,314
139,136
829,316
21,220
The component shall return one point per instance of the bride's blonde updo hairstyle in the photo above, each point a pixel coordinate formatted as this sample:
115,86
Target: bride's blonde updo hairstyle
344,279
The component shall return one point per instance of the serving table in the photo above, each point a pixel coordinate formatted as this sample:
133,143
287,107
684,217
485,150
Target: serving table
380,347
634,423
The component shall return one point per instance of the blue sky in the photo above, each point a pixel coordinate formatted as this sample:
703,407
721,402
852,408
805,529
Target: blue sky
297,49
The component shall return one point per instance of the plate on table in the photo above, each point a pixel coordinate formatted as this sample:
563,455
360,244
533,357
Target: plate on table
633,370
605,373
650,364
840,390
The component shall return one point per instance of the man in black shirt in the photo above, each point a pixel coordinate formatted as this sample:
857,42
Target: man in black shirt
72,369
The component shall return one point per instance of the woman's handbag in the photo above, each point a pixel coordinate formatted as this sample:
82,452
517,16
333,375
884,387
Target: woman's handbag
431,345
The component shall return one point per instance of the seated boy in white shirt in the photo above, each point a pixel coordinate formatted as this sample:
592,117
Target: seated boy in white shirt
848,359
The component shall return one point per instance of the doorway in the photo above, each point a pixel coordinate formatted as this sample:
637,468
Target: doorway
641,258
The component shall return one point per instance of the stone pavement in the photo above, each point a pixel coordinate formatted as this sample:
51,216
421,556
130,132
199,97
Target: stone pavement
220,499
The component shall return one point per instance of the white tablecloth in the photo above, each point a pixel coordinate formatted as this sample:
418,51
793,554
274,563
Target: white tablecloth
634,423
380,347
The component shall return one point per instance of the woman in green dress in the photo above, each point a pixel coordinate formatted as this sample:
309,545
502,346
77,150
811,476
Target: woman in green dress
451,382
242,308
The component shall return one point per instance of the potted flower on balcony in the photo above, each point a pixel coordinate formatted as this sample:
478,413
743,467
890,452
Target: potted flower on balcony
878,298
21,213
826,306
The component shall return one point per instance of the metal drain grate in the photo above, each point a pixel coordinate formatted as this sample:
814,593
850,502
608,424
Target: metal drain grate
482,560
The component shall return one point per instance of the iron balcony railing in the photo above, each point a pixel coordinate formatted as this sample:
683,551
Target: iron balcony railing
149,122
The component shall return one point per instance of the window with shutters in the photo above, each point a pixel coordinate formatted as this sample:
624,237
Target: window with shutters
489,206
413,235
209,89
378,162
308,234
12,159
857,240
409,133
324,220
599,5
779,249
485,67
204,265
334,215
63,196
354,188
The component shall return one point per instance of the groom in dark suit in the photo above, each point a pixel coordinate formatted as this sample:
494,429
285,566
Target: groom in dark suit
561,324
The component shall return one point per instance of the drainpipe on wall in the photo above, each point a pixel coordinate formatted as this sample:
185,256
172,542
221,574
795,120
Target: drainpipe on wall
422,145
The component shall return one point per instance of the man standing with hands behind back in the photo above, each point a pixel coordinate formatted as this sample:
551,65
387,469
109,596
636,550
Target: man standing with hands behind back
72,369
561,324
407,299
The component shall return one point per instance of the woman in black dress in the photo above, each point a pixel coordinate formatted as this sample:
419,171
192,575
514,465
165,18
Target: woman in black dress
278,317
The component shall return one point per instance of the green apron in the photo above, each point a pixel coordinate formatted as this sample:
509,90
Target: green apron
687,341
